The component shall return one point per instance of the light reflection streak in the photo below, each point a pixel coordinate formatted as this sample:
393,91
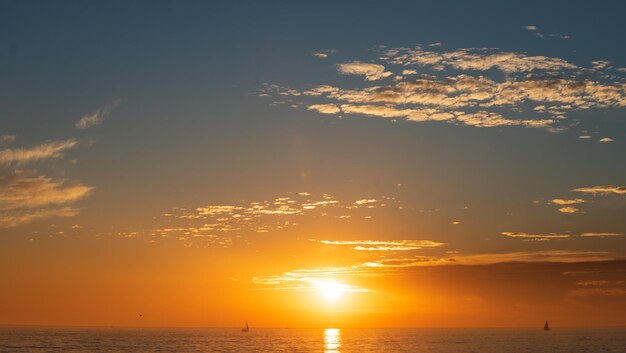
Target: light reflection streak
332,340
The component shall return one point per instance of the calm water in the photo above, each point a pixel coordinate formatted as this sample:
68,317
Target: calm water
311,340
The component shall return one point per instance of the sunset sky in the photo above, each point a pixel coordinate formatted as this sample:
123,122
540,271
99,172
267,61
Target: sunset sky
321,164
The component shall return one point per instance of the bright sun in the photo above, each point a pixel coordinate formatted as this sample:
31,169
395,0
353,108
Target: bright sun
331,289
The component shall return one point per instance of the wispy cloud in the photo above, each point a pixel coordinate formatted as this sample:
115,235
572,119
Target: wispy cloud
564,256
21,217
530,28
7,139
536,236
384,245
602,190
600,234
324,53
97,117
560,36
216,223
19,191
555,236
53,149
24,199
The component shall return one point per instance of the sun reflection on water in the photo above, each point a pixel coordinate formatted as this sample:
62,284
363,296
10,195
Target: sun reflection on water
332,340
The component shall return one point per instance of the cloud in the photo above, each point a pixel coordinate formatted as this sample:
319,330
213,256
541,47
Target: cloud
600,234
477,87
566,202
560,36
97,117
25,199
536,236
324,53
221,221
553,236
600,64
7,139
602,190
530,28
562,256
569,209
305,281
21,217
42,151
597,292
372,72
384,245
18,191
325,108
474,59
606,139
584,137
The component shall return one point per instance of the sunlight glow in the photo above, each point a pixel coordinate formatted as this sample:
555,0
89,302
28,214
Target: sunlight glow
331,289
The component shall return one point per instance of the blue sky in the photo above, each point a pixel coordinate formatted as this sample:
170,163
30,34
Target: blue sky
186,79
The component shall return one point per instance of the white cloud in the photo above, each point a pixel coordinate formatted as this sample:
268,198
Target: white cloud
606,139
530,28
97,117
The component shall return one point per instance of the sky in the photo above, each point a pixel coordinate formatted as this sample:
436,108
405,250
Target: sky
313,164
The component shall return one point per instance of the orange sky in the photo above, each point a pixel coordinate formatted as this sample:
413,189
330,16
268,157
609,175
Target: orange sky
296,164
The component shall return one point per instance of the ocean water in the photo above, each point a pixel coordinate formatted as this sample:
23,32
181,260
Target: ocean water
311,340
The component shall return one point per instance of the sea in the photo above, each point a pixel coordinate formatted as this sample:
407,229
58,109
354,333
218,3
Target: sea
329,340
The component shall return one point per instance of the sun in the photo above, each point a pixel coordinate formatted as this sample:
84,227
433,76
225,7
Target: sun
330,289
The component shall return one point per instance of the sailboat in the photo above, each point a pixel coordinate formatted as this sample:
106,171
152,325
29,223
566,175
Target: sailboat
546,327
246,329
